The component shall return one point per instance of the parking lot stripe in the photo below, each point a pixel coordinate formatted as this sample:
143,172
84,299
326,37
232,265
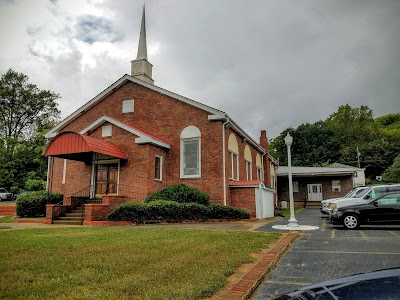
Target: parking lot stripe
332,234
395,234
287,282
363,234
323,227
348,252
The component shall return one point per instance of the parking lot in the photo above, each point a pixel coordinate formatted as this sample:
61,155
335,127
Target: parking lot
330,252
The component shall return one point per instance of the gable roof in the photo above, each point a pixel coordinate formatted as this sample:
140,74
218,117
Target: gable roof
214,114
144,137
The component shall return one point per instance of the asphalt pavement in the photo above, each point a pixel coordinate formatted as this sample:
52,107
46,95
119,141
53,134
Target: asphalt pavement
329,252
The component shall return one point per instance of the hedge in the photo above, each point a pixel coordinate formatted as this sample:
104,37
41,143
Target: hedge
180,193
34,204
170,211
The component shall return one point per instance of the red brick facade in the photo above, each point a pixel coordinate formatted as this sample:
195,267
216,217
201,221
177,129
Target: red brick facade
165,117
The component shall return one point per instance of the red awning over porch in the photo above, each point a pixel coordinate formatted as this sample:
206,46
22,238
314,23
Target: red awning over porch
75,146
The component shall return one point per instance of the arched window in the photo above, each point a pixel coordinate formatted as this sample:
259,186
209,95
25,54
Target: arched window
190,152
233,149
248,162
259,167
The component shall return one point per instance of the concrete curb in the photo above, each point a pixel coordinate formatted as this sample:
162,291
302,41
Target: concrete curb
245,286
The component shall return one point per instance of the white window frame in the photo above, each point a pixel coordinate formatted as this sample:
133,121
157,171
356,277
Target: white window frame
233,177
198,139
295,186
189,134
273,182
336,186
128,106
249,169
161,168
106,130
259,173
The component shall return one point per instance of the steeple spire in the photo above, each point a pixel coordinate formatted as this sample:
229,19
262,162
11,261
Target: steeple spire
140,67
142,48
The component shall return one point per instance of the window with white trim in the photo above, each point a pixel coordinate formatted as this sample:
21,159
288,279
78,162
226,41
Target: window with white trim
190,152
336,186
106,131
259,173
158,168
249,176
128,106
234,166
295,186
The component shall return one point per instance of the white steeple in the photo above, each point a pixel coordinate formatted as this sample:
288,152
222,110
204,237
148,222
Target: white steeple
140,67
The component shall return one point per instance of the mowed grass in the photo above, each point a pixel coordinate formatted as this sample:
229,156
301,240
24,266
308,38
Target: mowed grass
7,219
122,263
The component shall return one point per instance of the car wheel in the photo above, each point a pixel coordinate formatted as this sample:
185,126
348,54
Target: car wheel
351,221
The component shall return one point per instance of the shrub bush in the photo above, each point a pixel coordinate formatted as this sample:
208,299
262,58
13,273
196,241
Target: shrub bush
180,193
217,211
171,211
34,204
35,185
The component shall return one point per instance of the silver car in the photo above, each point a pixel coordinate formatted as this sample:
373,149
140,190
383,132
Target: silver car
354,193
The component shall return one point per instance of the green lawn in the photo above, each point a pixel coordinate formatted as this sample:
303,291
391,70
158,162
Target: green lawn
286,212
7,219
121,262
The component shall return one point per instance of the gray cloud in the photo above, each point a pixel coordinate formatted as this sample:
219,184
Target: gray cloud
268,64
92,29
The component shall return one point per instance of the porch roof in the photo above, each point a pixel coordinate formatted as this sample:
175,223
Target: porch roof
315,171
80,147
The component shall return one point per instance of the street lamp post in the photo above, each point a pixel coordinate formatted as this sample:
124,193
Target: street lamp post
292,220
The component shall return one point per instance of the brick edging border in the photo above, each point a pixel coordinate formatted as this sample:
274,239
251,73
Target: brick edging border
245,286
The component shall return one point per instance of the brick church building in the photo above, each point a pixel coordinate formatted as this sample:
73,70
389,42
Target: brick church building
135,138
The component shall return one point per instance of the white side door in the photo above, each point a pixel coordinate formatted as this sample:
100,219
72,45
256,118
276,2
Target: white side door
314,192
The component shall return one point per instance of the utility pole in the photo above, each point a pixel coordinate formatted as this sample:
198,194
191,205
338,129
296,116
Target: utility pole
358,158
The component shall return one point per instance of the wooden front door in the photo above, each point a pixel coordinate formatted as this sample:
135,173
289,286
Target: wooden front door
106,179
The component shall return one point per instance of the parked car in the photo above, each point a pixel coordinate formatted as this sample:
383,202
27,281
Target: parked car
371,193
15,196
381,284
354,193
384,209
4,195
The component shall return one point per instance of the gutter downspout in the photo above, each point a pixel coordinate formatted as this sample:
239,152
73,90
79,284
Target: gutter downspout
223,158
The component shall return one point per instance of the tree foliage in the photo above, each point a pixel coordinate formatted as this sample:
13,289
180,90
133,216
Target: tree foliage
337,138
24,109
392,174
26,114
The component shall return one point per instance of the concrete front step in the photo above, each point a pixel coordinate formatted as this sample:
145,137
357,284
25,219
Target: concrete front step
67,222
72,218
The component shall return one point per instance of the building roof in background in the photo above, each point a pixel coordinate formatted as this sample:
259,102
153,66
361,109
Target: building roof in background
315,171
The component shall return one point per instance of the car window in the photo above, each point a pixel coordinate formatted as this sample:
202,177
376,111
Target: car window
395,188
389,199
358,193
378,191
3,191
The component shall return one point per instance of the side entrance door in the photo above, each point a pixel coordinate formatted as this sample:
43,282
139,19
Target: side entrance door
314,192
106,179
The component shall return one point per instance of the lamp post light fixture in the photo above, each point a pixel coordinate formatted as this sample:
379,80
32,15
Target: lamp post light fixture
292,220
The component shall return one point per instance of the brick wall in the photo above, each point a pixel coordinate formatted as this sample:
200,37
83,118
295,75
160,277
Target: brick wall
165,117
244,197
301,196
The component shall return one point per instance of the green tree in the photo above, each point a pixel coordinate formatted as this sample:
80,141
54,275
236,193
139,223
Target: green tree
392,174
313,145
352,125
24,109
26,114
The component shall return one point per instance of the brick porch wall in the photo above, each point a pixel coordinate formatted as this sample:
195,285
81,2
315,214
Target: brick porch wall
244,197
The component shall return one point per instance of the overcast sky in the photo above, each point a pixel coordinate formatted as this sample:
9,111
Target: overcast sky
270,64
